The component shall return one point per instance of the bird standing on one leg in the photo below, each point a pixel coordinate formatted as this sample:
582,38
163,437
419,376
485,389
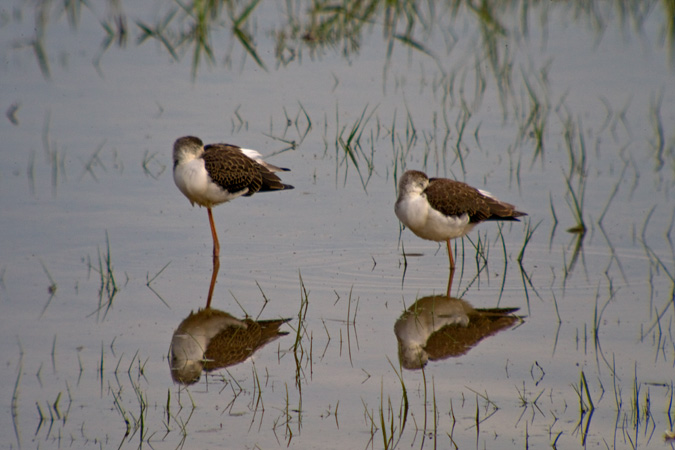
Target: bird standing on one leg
217,173
439,209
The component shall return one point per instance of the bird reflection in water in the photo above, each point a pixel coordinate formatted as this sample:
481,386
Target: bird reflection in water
439,327
211,339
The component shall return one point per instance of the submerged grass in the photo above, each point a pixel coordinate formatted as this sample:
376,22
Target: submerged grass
586,408
200,18
51,289
14,407
301,122
350,143
93,162
576,150
54,410
152,167
392,420
108,288
658,143
149,281
577,206
535,124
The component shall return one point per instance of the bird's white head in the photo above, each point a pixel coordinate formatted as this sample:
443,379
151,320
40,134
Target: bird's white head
186,149
187,354
412,356
412,182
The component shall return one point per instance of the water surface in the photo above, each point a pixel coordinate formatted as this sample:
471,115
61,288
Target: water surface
555,107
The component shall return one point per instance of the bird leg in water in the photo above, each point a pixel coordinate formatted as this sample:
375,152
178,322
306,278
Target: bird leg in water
452,268
214,275
216,244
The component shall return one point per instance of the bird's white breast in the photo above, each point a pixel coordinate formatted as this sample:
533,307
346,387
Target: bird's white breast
194,182
415,212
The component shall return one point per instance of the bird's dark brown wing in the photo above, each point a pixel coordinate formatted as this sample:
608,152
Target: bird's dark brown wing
454,198
232,170
234,344
453,340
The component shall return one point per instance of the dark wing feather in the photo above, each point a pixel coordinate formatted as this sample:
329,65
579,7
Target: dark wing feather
271,182
454,198
234,171
234,344
453,341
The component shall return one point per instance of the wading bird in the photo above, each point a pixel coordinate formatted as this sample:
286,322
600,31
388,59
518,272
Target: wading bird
439,209
217,173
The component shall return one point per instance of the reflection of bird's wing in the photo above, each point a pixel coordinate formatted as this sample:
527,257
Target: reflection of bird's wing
191,339
234,344
439,327
419,325
455,341
193,335
422,320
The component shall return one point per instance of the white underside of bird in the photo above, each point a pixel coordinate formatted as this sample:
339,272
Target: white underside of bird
195,183
415,212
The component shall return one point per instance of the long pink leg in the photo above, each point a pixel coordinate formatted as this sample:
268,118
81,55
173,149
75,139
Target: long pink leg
452,268
216,244
214,275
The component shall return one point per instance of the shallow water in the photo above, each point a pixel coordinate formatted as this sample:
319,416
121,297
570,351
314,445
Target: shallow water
101,257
